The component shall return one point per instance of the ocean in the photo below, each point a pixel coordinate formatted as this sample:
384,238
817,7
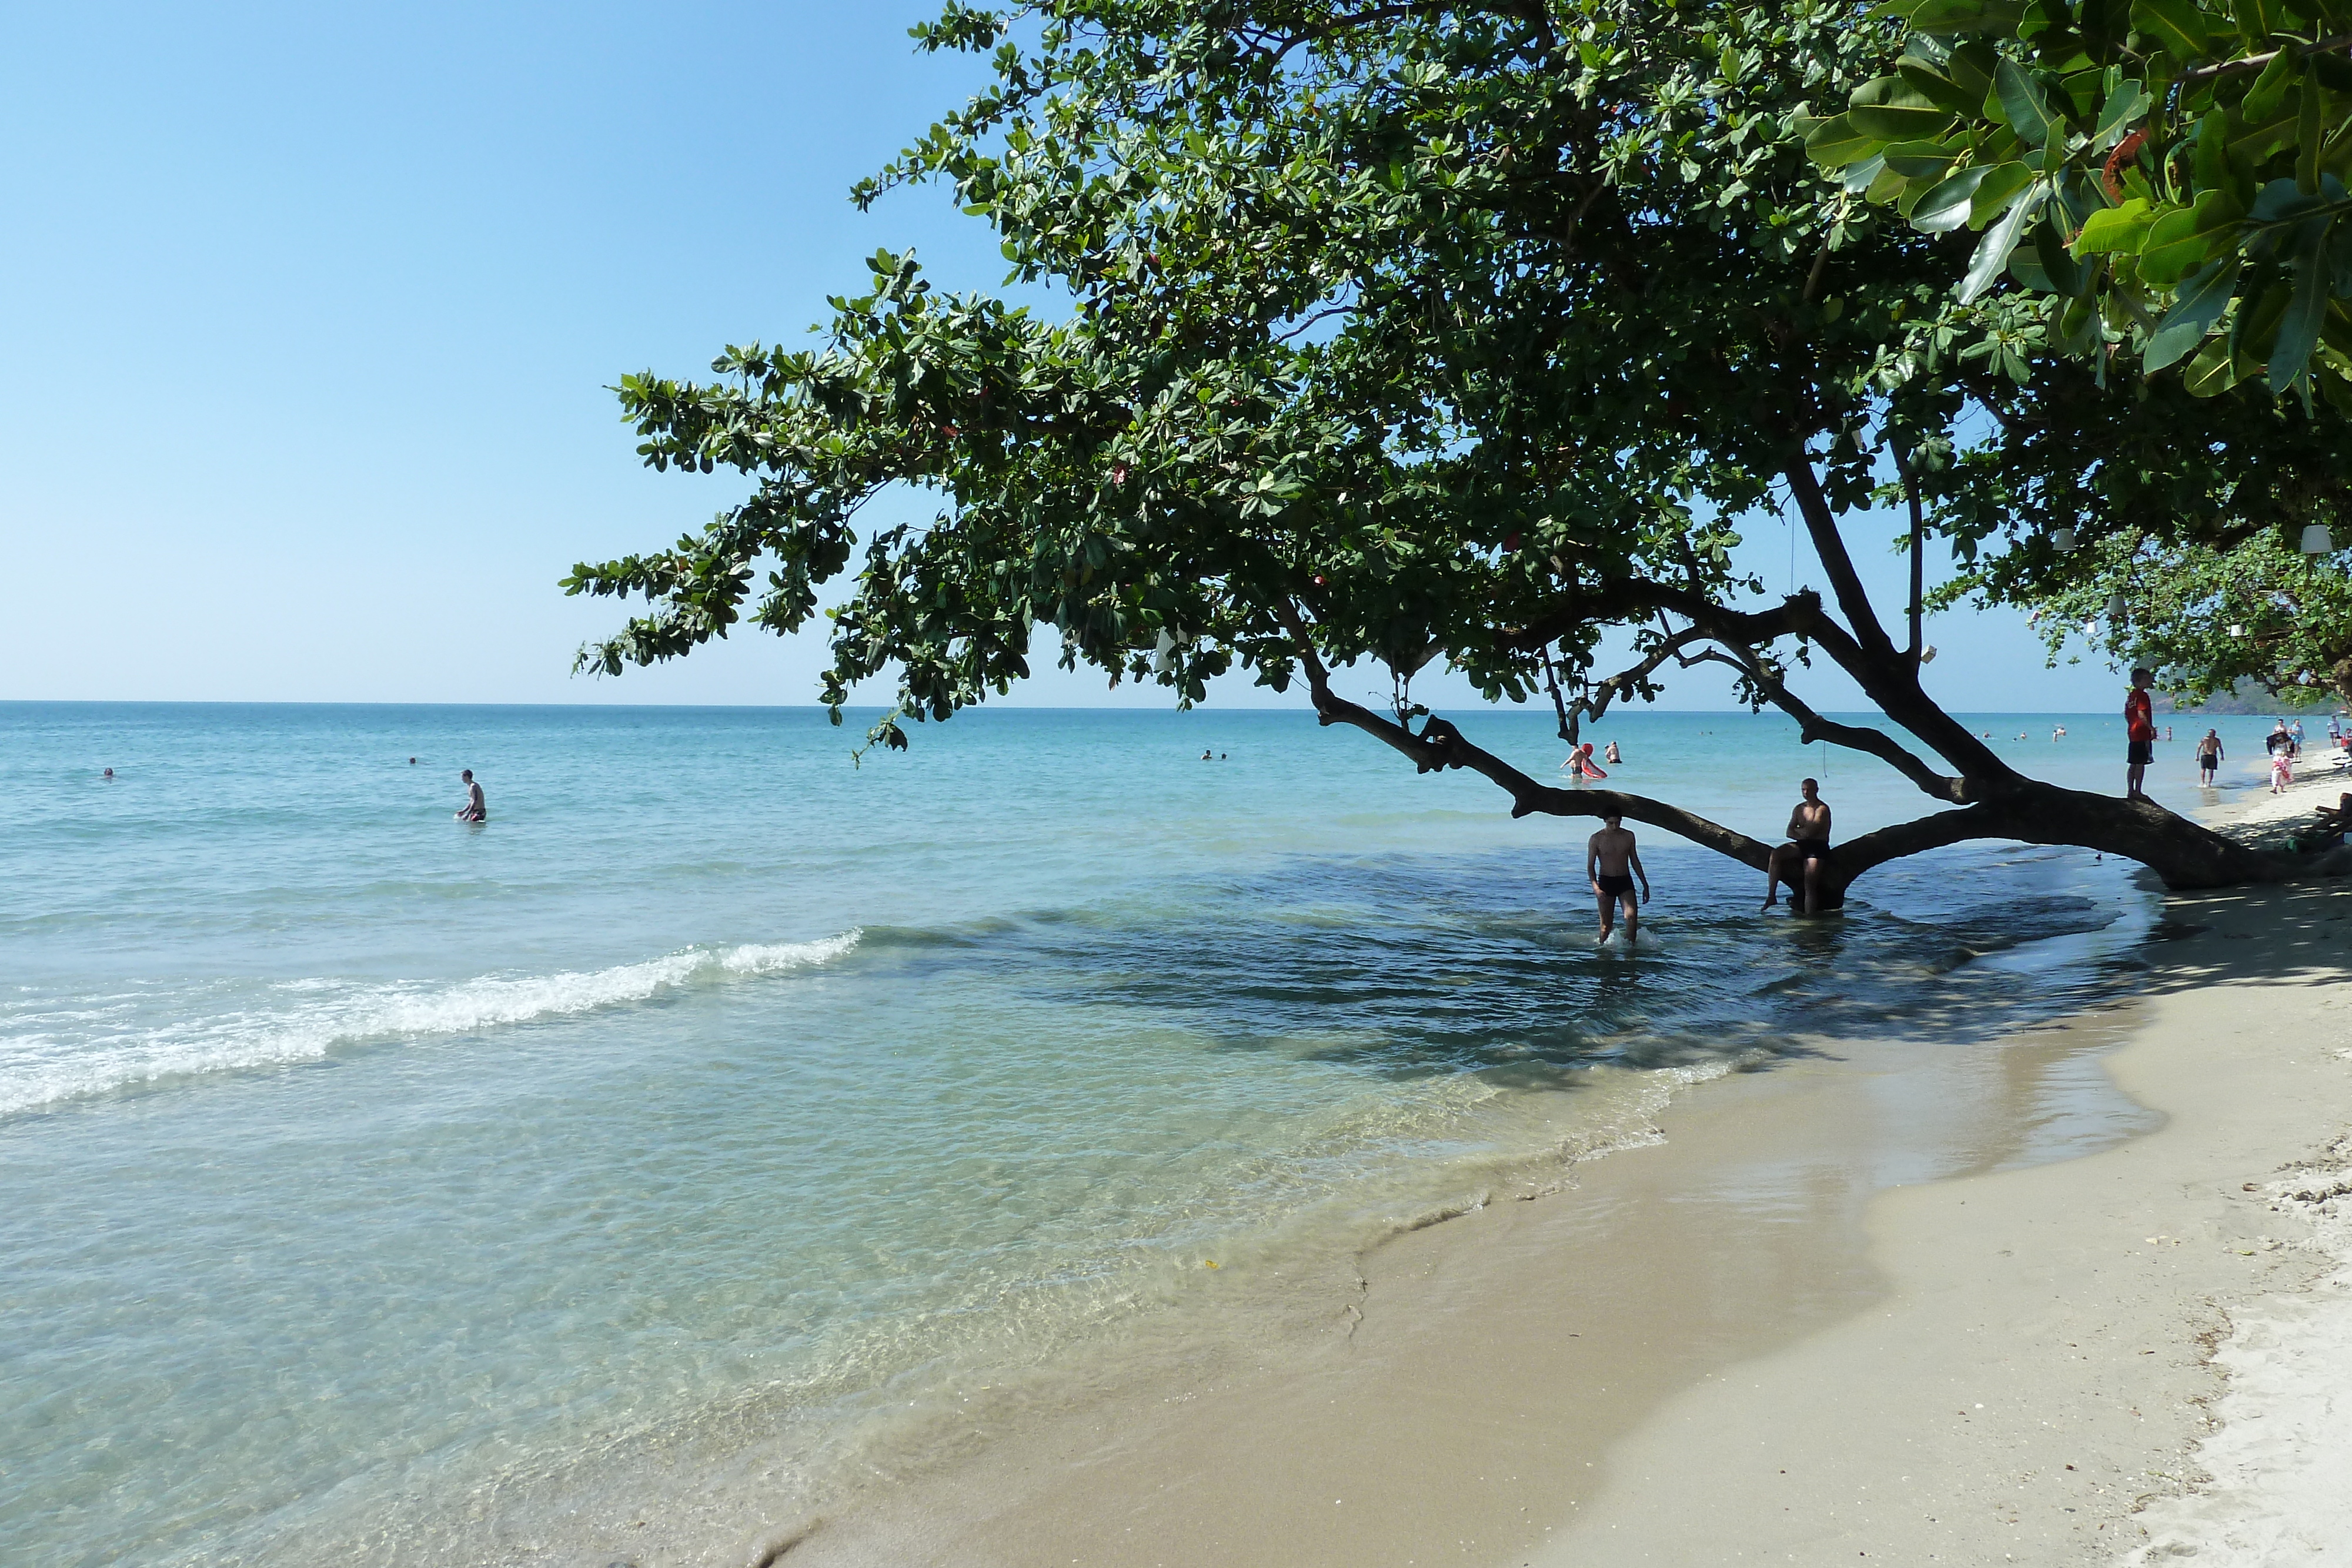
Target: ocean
368,1178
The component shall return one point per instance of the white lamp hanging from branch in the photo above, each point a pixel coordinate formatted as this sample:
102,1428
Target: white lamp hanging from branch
2062,538
2116,607
2317,540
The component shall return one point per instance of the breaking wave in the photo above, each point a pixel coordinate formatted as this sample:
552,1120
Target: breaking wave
99,1050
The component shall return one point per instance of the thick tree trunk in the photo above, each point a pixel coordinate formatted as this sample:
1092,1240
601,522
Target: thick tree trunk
2183,853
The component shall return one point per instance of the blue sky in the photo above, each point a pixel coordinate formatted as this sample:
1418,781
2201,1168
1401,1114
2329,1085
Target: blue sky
308,312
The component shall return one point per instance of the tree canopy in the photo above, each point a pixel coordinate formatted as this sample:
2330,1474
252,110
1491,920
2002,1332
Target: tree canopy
2169,174
1407,335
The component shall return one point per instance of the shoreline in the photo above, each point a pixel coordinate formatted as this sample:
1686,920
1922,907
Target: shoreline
1712,1346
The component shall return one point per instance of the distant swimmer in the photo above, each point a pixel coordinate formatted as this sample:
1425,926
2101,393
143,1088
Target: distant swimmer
1809,830
2057,731
1614,757
2209,756
1206,757
110,773
475,810
1611,863
412,762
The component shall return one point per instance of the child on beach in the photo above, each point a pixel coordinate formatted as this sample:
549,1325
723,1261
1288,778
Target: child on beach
2282,770
2139,735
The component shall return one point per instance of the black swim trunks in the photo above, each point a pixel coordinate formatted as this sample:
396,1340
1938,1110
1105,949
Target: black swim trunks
2141,753
1813,849
1614,886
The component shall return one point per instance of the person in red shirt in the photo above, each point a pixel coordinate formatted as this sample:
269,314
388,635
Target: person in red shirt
2139,730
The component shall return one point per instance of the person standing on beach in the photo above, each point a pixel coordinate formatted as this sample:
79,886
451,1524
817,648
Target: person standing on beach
2209,756
475,810
2139,735
1809,833
1611,863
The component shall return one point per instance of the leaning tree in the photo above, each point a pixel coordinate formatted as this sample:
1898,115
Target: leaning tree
1415,335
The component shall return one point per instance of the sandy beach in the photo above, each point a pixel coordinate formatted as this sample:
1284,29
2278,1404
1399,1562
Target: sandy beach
2082,1298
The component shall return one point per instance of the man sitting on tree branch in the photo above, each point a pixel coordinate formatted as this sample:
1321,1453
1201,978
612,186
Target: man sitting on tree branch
1809,830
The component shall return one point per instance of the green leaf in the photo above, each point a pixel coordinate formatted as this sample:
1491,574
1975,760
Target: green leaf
1929,160
2257,20
1859,177
2126,103
1947,206
2192,315
2255,327
2211,167
1971,67
2115,228
2298,330
1942,17
2178,26
1992,252
2311,126
1893,110
1938,90
1837,141
2065,273
2262,100
2182,240
2002,181
2209,375
2021,103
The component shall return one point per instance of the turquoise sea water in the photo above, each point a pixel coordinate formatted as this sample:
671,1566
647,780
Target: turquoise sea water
364,1173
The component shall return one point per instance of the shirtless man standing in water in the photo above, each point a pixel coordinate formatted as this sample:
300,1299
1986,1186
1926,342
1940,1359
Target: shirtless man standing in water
1809,826
1610,865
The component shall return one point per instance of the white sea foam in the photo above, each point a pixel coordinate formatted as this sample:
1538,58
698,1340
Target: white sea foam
63,1057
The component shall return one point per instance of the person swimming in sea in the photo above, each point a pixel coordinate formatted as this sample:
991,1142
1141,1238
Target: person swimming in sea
475,810
1615,758
1612,861
1809,831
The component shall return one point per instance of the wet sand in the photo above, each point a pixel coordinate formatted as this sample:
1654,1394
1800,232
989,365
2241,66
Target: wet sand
1933,1301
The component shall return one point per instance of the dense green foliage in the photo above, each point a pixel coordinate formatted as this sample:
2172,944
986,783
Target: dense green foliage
2169,174
2189,509
1450,331
2206,619
1401,335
